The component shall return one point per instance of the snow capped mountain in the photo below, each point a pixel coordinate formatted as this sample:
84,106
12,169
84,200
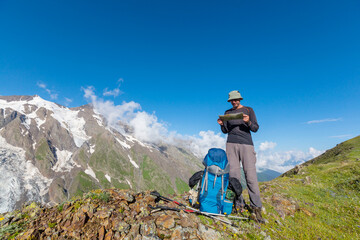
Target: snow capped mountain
49,153
68,119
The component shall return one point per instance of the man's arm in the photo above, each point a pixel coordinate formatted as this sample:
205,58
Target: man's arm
251,121
223,126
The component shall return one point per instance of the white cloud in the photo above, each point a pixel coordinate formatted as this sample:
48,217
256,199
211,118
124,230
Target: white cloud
341,136
115,92
43,86
200,145
324,120
314,152
68,101
113,113
54,96
146,127
283,161
267,145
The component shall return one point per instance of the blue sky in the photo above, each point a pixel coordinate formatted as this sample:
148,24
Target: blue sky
296,63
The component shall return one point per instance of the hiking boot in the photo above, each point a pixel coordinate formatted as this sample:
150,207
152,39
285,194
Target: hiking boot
257,212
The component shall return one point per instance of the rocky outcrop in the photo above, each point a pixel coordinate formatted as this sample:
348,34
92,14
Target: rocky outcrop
110,214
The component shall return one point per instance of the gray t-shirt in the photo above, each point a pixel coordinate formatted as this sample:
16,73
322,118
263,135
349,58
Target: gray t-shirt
238,131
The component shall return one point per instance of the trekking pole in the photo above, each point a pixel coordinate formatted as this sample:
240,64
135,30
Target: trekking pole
158,207
155,193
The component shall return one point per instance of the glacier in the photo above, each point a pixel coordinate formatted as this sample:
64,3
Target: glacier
19,178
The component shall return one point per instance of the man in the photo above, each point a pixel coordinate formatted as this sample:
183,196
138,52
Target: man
240,147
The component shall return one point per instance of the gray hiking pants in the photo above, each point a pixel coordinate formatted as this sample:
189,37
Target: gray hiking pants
246,154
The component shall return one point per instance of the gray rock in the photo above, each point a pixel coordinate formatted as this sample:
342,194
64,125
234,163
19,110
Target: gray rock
208,233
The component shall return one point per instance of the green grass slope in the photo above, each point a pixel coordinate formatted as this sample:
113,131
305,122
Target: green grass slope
319,199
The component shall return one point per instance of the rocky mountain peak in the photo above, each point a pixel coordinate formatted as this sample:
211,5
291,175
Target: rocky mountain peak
69,151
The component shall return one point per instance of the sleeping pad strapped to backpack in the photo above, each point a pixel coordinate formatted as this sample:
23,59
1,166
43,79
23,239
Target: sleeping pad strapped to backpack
214,183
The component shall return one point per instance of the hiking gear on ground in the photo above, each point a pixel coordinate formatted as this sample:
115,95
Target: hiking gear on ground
233,192
158,196
228,117
158,208
214,182
234,95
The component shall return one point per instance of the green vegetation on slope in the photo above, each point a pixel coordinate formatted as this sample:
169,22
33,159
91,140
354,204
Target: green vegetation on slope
45,159
82,158
82,183
108,159
326,192
181,186
119,185
154,177
102,179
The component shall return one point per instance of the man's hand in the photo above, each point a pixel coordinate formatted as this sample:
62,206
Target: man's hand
220,122
246,118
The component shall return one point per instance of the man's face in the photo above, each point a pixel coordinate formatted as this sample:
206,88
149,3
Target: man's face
235,103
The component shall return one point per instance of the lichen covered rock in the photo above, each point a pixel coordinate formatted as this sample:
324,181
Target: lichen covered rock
107,214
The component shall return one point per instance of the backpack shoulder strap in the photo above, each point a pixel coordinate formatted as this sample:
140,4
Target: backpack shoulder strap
206,181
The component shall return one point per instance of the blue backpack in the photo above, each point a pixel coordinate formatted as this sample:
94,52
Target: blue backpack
214,183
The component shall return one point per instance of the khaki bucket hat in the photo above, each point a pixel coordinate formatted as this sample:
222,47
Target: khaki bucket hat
234,95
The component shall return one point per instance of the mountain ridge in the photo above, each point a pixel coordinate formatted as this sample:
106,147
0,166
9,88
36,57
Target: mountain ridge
72,150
